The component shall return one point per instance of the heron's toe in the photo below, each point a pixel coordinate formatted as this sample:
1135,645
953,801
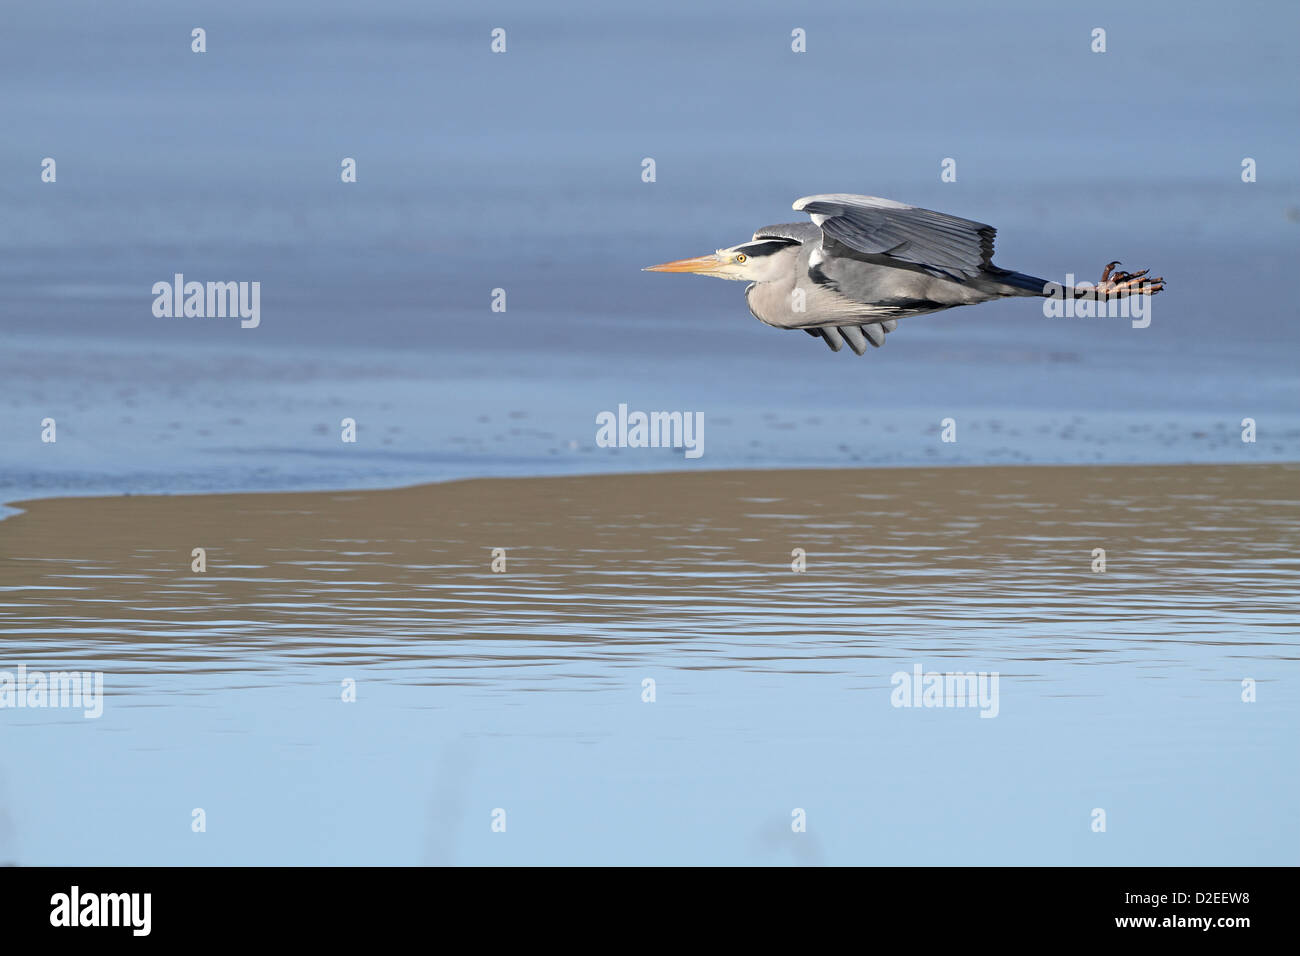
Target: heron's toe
1129,283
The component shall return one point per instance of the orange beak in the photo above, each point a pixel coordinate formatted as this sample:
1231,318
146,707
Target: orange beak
698,264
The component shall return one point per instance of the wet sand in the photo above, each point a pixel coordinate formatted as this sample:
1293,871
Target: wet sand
598,566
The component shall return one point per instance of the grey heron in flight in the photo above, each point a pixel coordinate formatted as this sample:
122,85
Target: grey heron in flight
863,263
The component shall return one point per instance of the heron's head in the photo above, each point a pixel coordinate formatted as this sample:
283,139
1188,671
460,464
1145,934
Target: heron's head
757,261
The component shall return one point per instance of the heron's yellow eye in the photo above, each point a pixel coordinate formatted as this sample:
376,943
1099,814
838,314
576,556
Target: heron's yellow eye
740,257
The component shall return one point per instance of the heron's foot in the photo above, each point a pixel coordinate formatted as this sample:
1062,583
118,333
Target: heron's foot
1128,283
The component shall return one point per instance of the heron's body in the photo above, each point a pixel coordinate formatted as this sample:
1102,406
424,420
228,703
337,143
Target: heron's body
864,262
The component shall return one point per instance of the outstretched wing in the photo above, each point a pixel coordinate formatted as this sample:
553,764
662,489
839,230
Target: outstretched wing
882,229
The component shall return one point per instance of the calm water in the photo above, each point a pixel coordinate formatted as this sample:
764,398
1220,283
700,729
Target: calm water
522,690
522,171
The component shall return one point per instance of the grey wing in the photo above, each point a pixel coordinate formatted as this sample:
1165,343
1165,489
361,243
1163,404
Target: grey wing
882,229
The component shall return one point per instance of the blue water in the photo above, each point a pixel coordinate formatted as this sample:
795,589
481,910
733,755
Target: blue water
591,775
522,171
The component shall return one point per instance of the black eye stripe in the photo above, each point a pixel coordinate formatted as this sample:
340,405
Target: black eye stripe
764,248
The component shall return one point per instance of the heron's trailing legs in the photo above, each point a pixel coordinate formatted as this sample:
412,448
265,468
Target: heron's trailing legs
1127,283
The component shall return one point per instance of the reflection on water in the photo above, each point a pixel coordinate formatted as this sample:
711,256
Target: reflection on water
1119,688
1200,566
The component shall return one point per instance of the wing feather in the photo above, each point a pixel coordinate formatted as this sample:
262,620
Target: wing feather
933,241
